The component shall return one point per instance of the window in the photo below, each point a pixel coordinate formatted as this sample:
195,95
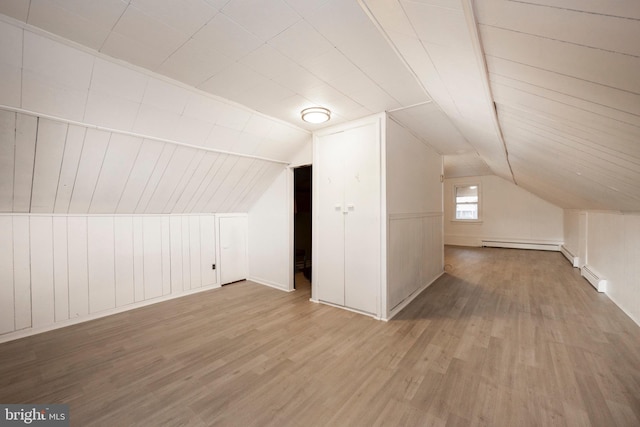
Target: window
467,200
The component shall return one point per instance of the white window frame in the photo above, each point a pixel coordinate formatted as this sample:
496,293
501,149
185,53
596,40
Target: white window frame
455,204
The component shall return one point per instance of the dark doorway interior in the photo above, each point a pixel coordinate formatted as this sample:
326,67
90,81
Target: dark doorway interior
302,222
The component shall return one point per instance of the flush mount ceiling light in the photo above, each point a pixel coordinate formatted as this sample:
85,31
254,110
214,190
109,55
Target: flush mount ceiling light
315,115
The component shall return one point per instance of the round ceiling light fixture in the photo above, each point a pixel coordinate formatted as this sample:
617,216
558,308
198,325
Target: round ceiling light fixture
315,115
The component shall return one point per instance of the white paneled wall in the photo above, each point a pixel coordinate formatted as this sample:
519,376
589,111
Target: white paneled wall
55,269
613,250
271,235
48,166
415,254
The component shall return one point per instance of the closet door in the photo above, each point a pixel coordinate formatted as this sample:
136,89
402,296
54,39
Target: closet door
329,272
362,238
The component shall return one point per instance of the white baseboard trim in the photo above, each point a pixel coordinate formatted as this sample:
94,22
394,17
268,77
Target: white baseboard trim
22,333
405,302
574,260
353,310
270,284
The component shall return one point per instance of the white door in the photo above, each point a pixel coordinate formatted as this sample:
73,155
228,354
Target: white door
362,220
329,273
233,248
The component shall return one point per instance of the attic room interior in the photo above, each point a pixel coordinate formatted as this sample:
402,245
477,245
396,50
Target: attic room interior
459,245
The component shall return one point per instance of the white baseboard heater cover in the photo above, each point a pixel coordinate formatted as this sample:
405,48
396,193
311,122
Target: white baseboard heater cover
521,245
571,257
594,278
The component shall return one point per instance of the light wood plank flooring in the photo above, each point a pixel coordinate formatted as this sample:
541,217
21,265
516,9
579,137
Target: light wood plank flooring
504,338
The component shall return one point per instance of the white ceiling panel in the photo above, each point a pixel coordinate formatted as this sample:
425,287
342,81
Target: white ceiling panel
438,25
514,97
577,88
194,62
130,50
195,201
264,18
155,122
599,31
461,165
11,48
228,37
66,182
224,82
165,96
126,83
261,96
194,182
300,42
61,64
222,138
116,168
240,168
53,17
7,159
588,162
584,62
584,132
192,131
106,109
46,171
172,176
25,151
184,181
186,16
94,149
620,8
434,128
18,9
221,167
140,174
138,26
517,86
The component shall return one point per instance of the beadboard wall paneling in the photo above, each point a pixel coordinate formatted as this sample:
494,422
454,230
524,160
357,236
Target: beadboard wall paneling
58,269
48,166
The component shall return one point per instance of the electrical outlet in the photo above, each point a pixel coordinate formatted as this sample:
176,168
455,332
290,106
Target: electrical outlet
213,266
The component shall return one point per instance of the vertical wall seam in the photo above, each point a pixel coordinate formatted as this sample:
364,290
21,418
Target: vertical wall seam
64,150
35,155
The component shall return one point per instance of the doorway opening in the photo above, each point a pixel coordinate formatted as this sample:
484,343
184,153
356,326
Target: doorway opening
302,182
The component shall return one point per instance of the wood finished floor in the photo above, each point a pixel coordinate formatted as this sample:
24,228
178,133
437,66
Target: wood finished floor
504,338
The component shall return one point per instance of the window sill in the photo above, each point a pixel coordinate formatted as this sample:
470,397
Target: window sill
467,221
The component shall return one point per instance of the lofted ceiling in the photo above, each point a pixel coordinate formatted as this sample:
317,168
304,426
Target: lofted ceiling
544,93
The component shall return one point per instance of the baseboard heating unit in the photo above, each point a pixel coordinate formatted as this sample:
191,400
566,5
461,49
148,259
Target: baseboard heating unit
574,260
594,278
521,245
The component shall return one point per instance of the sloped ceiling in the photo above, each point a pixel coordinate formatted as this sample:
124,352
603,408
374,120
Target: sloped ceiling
48,166
549,88
543,93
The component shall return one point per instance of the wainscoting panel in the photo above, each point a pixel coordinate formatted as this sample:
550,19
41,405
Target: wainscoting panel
57,270
415,254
